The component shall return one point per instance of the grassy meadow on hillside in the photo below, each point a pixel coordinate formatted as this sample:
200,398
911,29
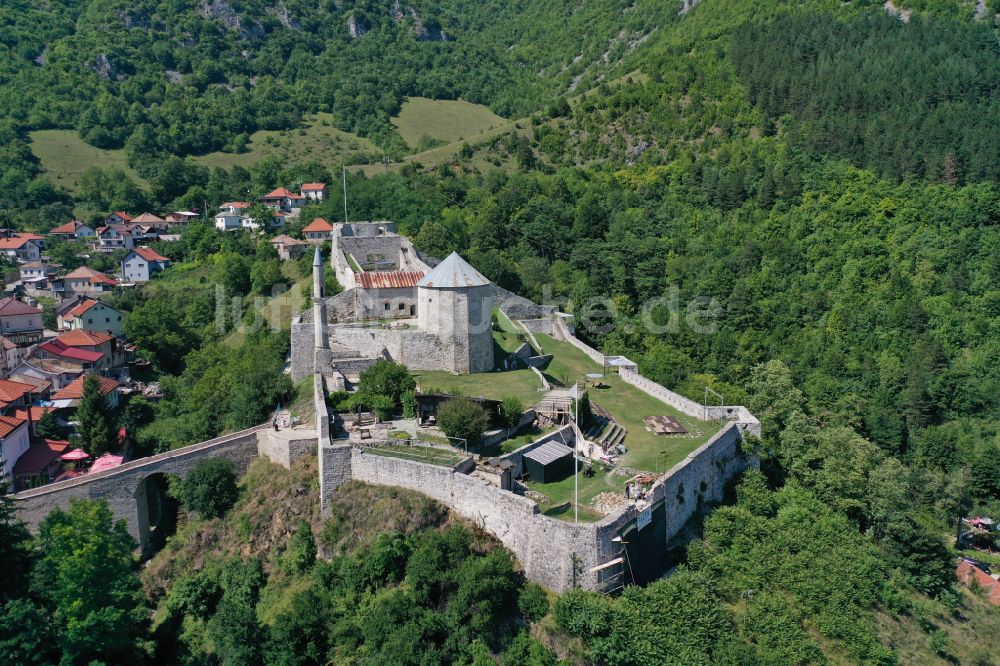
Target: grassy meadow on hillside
65,156
443,120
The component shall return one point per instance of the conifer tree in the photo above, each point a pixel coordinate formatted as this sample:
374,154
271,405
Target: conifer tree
96,425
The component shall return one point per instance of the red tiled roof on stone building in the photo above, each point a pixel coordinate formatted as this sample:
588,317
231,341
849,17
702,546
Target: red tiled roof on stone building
317,225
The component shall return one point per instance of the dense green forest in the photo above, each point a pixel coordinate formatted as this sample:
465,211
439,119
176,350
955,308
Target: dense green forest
819,176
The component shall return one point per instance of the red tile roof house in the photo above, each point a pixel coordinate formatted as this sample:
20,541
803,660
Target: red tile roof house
14,394
89,314
15,439
969,574
318,231
69,397
140,264
118,237
21,248
118,217
73,230
90,350
19,322
40,464
282,200
85,281
314,191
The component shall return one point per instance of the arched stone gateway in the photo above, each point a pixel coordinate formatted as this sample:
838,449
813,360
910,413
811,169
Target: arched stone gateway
157,512
133,488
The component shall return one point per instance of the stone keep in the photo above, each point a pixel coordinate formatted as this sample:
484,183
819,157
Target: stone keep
454,303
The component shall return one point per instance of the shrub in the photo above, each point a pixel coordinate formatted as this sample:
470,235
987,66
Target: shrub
511,410
301,553
533,602
463,419
209,488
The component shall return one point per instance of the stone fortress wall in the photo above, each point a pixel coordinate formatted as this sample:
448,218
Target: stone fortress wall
554,553
557,554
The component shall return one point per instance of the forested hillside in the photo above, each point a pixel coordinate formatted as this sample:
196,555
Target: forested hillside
821,177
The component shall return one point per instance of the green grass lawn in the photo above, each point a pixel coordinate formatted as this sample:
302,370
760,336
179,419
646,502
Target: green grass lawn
425,454
65,156
495,385
561,492
444,120
646,451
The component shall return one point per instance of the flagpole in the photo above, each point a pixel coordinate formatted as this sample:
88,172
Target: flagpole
576,443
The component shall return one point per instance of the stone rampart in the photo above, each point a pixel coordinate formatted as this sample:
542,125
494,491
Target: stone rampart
539,325
544,546
739,414
286,446
124,487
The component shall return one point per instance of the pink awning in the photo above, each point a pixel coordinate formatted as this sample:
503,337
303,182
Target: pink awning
75,454
106,462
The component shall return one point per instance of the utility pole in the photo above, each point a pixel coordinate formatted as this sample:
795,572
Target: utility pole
345,194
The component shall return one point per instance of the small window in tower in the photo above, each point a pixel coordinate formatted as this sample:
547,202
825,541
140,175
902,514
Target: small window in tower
402,306
386,306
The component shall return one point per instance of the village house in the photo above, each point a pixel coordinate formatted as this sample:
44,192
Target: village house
73,230
83,280
180,217
89,314
14,442
40,464
69,396
140,264
37,269
19,322
288,247
318,231
234,207
55,350
90,350
282,200
226,221
42,387
118,237
314,191
55,373
118,217
148,219
10,356
14,394
21,248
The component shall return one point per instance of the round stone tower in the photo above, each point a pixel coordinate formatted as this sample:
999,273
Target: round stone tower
455,303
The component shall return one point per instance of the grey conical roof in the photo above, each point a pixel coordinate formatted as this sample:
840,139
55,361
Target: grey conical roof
453,272
317,258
